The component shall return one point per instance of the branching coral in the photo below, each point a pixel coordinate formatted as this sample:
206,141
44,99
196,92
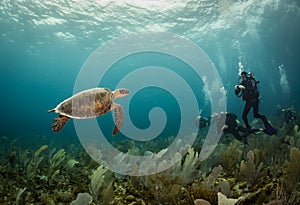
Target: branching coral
274,151
293,170
198,191
209,182
230,157
57,159
162,187
184,182
122,163
187,169
249,170
19,194
166,186
297,135
101,182
296,131
97,180
32,167
71,163
55,164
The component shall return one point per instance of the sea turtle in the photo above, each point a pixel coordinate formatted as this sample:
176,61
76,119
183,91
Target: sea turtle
89,104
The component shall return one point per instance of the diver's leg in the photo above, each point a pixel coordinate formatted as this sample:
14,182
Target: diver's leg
245,130
242,129
256,114
245,137
240,137
269,129
237,135
255,130
245,113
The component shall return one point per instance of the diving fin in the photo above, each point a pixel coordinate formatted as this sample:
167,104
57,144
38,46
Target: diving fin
269,129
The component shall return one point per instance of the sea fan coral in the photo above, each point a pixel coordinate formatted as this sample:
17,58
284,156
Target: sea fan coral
32,167
101,185
249,170
230,157
293,170
296,131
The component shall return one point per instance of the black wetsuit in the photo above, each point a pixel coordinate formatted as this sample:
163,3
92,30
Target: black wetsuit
231,125
251,96
234,128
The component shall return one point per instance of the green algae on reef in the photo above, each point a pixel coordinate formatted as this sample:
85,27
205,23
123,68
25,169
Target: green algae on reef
45,174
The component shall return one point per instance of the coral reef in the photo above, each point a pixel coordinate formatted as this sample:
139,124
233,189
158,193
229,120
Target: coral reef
249,170
201,202
82,199
293,171
20,192
223,200
209,182
296,131
39,171
32,167
230,156
101,185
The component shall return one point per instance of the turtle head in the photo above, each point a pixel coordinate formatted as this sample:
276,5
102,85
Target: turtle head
121,92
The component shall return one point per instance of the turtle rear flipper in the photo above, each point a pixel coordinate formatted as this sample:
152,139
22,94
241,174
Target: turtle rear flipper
119,118
59,122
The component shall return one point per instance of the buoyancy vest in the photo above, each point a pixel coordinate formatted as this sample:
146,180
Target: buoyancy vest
251,90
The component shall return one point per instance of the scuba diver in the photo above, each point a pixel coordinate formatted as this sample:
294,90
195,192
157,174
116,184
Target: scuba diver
289,114
248,90
231,126
202,122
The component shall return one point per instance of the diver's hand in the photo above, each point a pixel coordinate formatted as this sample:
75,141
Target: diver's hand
240,87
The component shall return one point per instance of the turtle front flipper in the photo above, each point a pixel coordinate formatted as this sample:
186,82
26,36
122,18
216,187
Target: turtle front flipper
59,122
119,118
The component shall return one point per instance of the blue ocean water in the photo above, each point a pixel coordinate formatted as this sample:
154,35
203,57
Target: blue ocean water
45,43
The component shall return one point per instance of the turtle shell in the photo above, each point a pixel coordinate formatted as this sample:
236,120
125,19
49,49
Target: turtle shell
87,104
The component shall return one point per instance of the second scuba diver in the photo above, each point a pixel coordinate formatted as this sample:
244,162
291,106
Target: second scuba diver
231,126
